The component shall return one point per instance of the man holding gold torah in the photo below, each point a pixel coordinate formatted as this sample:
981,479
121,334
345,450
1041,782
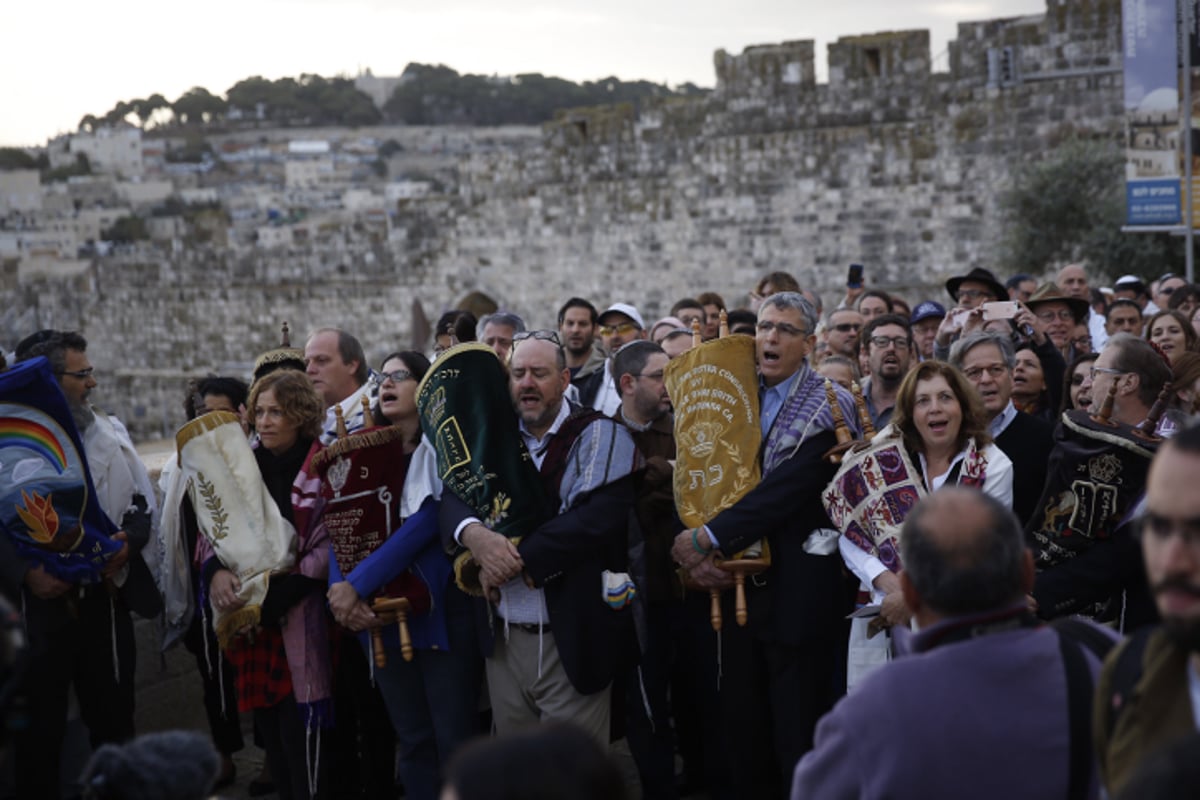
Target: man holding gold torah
789,671
558,624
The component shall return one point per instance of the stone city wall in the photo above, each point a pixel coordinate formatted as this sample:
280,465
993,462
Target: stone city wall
888,163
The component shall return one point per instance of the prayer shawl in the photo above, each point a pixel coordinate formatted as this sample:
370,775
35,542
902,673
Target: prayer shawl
121,479
235,513
352,410
876,488
48,502
805,412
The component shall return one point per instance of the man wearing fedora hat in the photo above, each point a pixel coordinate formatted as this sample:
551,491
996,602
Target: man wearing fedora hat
1059,313
977,287
970,292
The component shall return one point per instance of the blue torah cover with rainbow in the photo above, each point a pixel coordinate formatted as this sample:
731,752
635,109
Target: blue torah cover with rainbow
48,505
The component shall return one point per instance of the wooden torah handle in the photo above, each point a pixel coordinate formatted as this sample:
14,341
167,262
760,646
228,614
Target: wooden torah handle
377,647
391,609
714,597
740,612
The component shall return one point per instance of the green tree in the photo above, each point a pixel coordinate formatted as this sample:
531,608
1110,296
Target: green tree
145,108
195,149
1069,205
437,95
126,230
117,113
197,106
16,158
82,166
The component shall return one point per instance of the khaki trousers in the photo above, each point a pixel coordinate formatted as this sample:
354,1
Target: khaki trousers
523,695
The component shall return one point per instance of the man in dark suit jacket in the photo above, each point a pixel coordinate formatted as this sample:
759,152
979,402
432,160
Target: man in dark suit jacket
777,682
987,359
557,643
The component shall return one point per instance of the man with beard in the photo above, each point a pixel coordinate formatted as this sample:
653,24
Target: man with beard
557,644
987,360
1149,691
577,329
646,411
888,339
82,636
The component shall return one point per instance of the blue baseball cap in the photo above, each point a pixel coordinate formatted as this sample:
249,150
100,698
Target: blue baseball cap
927,310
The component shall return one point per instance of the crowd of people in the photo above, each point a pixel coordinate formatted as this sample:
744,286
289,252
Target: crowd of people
970,502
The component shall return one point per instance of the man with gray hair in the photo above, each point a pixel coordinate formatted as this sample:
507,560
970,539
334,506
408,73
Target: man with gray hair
778,681
1005,683
497,332
987,360
1138,372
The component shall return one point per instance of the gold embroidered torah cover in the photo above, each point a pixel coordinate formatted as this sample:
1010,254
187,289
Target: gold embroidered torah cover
714,388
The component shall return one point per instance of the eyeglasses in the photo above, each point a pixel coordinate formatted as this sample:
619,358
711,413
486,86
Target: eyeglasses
395,377
1083,344
544,336
899,342
1161,528
766,326
623,329
82,374
973,294
1063,315
654,376
995,370
847,327
1094,371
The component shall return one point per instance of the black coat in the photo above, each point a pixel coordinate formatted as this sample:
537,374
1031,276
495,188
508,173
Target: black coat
1027,441
803,599
565,556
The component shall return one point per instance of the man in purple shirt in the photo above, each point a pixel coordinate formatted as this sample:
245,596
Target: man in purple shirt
983,706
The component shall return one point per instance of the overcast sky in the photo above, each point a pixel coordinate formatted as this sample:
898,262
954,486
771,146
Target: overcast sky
62,60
